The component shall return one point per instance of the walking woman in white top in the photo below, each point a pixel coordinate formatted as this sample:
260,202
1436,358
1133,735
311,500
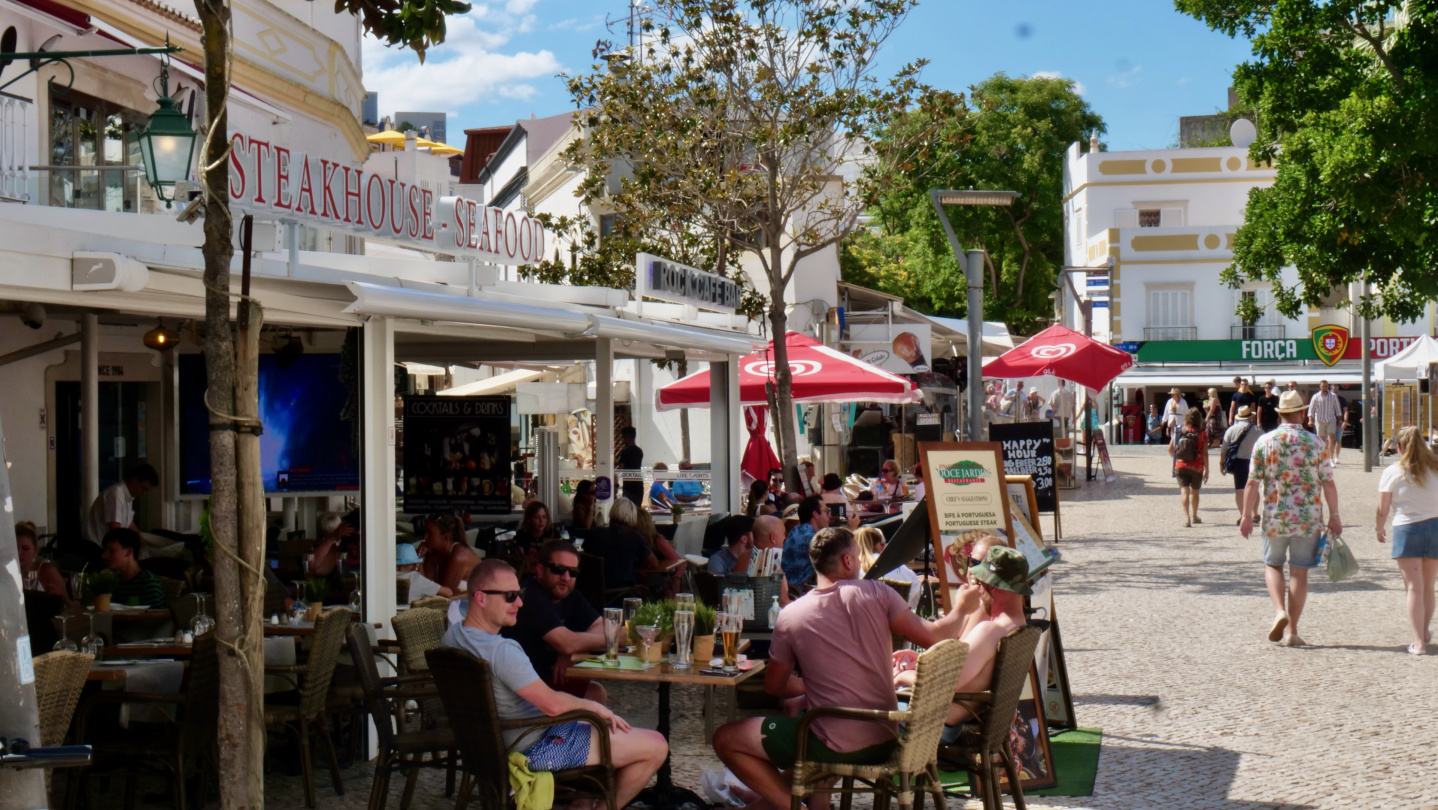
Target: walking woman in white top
1411,486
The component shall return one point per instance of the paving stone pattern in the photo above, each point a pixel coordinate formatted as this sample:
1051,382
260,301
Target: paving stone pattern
1166,631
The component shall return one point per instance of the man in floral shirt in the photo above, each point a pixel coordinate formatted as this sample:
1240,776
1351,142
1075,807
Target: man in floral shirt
1295,475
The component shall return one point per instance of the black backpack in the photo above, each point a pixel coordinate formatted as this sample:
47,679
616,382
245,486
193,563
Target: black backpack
1186,448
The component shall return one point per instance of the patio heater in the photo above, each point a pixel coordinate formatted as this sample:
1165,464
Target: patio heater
973,265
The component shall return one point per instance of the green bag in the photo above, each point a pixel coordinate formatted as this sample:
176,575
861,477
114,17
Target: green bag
1340,560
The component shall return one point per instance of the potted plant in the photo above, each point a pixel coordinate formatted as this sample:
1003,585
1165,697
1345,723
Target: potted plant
703,633
99,586
315,589
662,614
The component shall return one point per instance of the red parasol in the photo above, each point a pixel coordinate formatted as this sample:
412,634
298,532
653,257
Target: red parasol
821,374
759,457
1062,352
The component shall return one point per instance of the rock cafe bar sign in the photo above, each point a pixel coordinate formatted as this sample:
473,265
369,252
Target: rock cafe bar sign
276,181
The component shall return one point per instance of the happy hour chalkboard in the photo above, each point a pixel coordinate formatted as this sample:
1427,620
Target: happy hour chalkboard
1029,450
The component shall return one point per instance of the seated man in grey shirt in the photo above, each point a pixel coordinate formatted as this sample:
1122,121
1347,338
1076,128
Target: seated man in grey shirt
519,693
734,557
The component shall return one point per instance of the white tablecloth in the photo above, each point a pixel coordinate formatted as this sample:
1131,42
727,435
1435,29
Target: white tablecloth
155,677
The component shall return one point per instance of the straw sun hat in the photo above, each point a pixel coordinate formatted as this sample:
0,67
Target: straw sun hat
1290,401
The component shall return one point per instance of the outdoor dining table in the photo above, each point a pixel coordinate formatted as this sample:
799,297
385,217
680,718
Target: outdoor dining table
664,674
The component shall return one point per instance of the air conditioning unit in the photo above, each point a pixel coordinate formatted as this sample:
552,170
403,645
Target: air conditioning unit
107,271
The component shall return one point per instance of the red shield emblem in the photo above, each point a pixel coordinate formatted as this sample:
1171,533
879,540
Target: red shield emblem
1329,343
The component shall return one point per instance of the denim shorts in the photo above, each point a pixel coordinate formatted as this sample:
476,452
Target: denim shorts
565,746
1301,552
1416,539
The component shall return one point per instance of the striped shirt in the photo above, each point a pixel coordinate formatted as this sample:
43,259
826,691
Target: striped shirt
1324,407
143,589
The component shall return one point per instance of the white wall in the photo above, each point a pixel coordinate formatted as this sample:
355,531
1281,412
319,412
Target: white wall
22,398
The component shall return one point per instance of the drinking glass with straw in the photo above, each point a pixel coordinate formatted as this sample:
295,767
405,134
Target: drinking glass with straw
648,634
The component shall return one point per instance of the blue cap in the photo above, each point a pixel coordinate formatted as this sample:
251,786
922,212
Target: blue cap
405,554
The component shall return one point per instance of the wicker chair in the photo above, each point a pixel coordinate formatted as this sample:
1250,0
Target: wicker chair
188,747
440,603
915,759
312,679
59,680
468,694
988,736
398,749
419,630
401,590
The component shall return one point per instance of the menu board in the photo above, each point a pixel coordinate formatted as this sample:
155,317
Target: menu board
456,454
965,490
1029,450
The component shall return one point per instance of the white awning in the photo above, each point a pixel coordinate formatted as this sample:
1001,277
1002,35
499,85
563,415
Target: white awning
1220,377
498,384
396,302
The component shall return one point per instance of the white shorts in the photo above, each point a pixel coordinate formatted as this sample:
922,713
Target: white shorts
1327,428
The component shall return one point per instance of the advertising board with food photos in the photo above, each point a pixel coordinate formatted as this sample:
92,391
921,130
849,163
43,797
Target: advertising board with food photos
456,454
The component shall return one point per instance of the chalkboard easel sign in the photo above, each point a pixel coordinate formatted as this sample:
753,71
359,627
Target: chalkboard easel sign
1029,450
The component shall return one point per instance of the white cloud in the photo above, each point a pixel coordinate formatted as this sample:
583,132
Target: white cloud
1184,80
1055,74
467,68
1126,77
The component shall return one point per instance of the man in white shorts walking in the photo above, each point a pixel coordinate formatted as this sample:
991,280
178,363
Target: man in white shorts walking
1324,416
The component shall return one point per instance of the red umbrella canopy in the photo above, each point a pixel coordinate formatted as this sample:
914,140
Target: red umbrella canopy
1062,352
821,374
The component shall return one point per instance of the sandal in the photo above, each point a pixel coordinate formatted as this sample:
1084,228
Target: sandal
1414,649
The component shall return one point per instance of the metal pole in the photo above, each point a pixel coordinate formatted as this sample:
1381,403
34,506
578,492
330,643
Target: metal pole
89,410
1370,417
974,402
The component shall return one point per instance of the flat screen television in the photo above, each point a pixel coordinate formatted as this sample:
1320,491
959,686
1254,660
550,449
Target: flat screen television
306,445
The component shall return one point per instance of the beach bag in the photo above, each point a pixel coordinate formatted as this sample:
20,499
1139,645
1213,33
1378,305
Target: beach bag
1231,452
1339,559
1186,449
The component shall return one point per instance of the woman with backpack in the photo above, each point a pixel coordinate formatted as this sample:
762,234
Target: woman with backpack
1189,449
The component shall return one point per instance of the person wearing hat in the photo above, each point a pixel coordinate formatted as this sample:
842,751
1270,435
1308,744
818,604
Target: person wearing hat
1296,477
996,593
1241,436
407,567
1268,407
1173,411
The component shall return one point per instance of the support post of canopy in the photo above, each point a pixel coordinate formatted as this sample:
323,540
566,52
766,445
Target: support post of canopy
89,411
377,499
604,418
726,453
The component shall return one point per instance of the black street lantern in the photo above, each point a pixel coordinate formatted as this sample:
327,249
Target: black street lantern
167,144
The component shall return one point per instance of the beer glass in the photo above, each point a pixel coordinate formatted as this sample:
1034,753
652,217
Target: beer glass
613,627
729,625
631,607
683,601
683,639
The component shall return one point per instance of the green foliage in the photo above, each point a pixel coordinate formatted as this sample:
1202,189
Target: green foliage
704,620
1013,138
101,582
316,588
1345,97
414,24
404,126
660,613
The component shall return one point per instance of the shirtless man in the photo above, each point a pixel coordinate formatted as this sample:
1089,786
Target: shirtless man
447,560
999,586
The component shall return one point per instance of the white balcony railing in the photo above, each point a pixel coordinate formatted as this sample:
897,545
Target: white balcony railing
14,147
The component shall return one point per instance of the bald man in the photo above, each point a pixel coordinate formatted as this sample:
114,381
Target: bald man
768,532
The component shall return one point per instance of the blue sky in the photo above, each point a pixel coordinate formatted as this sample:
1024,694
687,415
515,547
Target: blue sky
1139,63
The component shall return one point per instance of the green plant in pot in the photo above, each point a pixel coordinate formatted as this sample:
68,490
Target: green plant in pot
704,622
315,590
99,586
662,614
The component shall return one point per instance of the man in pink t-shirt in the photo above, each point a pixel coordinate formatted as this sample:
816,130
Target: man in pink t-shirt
838,636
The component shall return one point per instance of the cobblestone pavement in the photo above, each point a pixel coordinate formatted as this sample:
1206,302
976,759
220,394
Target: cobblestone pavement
1166,632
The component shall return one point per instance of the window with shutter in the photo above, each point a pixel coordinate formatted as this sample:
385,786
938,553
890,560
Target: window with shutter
1169,315
1125,218
1170,217
1149,218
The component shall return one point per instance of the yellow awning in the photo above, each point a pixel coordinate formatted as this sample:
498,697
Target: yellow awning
387,138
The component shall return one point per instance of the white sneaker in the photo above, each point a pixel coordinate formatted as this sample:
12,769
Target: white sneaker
1294,641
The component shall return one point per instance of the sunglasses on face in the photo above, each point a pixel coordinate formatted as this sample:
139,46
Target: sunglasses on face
509,596
560,570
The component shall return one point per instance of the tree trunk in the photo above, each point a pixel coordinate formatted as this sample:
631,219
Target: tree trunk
782,409
220,397
250,522
684,454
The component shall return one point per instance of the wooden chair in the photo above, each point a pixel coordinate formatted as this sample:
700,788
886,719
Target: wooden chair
914,762
399,750
987,736
309,714
467,690
188,746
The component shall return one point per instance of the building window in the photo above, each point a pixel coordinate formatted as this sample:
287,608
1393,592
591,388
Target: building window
90,134
606,225
1170,314
1149,218
1267,326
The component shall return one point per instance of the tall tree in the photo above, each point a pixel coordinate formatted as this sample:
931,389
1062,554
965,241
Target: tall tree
746,113
1014,138
1345,97
236,517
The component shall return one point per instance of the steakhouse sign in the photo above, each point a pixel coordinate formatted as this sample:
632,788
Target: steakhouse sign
269,179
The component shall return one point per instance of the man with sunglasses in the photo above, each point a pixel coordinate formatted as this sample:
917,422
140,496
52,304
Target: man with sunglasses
557,622
494,604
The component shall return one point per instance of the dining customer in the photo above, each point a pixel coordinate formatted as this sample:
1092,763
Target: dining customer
447,556
534,529
557,622
407,562
838,636
811,516
584,505
27,552
1410,487
734,557
622,547
136,586
519,693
